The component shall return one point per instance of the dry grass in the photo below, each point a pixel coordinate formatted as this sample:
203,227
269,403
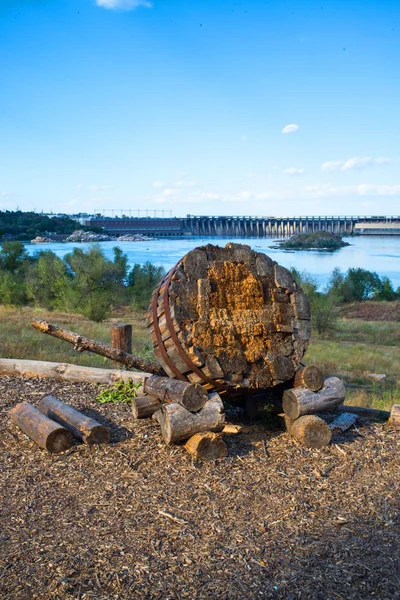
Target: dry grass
356,349
138,519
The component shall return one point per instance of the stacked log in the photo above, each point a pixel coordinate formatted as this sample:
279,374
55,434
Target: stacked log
230,319
300,405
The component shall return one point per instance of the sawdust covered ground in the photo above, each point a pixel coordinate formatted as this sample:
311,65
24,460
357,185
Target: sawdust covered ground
137,519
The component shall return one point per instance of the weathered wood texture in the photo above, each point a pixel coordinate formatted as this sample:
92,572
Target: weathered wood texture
121,337
190,395
311,431
67,372
82,427
82,343
207,446
343,422
43,431
229,317
301,401
144,407
177,423
395,415
310,377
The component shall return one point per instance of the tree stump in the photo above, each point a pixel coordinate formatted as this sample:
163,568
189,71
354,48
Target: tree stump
229,318
43,431
207,446
311,431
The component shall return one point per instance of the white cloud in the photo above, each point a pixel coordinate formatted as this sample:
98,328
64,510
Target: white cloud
158,184
293,171
362,189
123,4
360,162
333,165
356,162
243,138
290,128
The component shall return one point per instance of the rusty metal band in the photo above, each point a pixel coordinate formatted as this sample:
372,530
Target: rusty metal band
158,335
175,339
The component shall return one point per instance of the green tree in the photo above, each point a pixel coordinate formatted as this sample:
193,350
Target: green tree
360,284
142,280
13,256
97,282
48,282
385,290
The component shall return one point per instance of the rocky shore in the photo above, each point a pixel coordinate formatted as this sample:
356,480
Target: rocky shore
89,236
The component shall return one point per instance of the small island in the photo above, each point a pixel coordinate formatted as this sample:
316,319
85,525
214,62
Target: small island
318,240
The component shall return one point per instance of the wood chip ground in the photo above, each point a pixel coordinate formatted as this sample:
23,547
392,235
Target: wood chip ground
138,519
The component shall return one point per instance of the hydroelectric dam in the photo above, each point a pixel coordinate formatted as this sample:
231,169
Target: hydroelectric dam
238,226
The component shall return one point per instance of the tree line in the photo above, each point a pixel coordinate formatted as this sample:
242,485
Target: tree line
84,282
88,283
27,225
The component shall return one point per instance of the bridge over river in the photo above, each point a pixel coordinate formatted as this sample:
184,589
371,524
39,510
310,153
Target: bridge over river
246,226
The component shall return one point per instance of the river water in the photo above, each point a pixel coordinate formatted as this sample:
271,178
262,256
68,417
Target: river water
375,253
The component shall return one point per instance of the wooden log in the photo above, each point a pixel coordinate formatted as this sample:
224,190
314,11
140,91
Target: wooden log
121,337
177,423
236,319
364,411
144,407
82,427
301,401
395,416
311,431
207,446
67,372
310,377
43,431
190,395
83,343
342,422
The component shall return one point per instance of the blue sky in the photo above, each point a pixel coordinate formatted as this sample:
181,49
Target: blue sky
201,107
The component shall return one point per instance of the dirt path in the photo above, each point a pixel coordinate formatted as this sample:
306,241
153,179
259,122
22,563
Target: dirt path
136,519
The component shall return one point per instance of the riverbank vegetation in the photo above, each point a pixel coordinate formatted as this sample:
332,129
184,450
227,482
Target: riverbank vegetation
27,225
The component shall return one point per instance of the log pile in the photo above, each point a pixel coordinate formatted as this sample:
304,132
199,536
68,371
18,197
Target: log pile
53,425
230,319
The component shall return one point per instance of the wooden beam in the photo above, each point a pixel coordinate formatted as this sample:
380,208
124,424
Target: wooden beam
67,372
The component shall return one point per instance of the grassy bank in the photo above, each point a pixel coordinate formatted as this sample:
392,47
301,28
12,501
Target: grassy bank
356,349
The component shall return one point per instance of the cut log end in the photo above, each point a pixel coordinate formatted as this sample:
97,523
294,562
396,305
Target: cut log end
310,377
394,419
143,407
59,440
97,435
207,446
311,431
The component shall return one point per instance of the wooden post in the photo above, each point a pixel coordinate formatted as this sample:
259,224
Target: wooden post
144,407
301,401
121,337
82,427
190,395
395,415
310,377
46,433
207,446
